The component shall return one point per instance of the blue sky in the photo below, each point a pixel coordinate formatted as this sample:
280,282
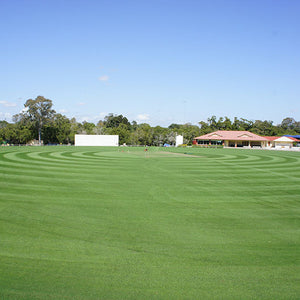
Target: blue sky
154,61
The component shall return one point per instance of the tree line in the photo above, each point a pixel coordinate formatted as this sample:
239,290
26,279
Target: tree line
39,121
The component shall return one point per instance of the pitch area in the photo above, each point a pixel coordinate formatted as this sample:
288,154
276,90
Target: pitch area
124,223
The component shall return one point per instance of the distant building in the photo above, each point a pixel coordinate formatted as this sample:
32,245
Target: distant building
281,142
232,139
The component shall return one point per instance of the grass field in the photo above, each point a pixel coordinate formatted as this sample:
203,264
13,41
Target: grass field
121,223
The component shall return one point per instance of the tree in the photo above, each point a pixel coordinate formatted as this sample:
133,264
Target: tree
212,122
288,123
144,134
88,127
3,131
113,121
23,134
263,128
58,130
227,124
123,133
74,127
174,126
39,111
236,124
297,127
246,124
171,137
189,132
204,128
160,135
134,125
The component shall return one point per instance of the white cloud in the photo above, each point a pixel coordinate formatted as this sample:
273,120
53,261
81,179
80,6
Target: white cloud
104,78
63,111
24,110
90,117
81,103
8,104
5,116
82,118
142,117
103,114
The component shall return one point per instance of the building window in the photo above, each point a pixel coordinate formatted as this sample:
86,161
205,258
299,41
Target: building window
202,142
216,142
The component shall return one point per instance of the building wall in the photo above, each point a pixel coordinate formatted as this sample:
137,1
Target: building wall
248,144
283,144
179,140
96,140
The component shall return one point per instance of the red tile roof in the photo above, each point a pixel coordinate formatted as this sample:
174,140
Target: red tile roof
273,138
231,135
293,139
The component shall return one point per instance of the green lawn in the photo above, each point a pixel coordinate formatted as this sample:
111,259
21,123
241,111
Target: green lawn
121,223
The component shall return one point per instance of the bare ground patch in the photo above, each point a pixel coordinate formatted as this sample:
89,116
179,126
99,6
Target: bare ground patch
167,153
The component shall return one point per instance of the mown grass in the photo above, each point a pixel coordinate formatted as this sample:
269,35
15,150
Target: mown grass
122,223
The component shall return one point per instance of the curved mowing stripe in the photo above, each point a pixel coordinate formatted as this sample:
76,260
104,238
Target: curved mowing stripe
117,223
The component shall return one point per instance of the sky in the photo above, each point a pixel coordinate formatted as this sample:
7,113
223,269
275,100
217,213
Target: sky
153,61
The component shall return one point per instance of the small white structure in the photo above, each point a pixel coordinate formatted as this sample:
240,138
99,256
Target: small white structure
96,140
283,142
179,140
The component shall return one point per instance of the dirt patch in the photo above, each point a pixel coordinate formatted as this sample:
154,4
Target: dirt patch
167,153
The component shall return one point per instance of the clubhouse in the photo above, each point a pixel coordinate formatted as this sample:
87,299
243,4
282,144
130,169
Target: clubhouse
244,139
